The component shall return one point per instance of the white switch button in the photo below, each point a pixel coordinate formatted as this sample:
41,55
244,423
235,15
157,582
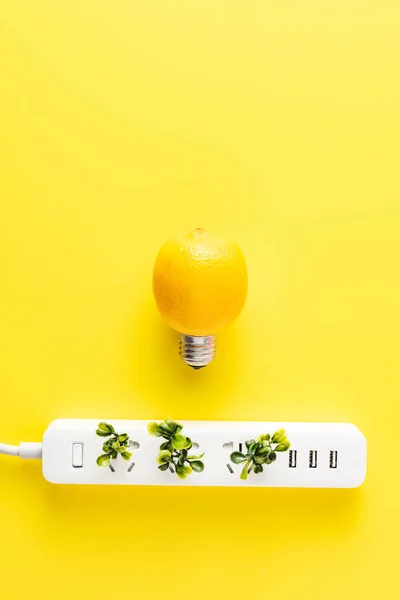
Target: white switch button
77,455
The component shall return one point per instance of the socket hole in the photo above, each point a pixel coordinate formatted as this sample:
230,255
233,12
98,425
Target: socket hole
312,463
111,468
292,459
333,459
131,467
134,445
195,446
240,447
171,469
229,468
228,447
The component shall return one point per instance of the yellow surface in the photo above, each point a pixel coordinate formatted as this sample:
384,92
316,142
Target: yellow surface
278,124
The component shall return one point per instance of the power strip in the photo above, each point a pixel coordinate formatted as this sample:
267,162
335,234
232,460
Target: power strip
321,455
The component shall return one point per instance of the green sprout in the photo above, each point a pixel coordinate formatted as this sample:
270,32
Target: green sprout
117,444
261,452
174,452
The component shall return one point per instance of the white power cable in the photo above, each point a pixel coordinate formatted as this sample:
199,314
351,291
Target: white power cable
24,450
10,450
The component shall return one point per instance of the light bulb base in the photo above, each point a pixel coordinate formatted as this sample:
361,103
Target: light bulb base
197,350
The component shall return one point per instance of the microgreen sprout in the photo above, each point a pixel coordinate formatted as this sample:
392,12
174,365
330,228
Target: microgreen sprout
117,444
174,452
262,451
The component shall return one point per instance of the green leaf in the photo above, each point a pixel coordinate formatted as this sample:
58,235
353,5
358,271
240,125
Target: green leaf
106,448
163,457
238,458
153,429
264,450
126,455
193,457
245,470
163,467
283,446
253,447
264,437
102,433
183,471
277,435
261,459
180,441
124,437
103,460
114,454
103,426
166,445
116,446
249,443
171,424
176,427
106,427
165,430
197,466
258,468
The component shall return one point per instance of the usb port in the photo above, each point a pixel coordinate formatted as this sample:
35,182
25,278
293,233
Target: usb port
333,459
313,459
292,459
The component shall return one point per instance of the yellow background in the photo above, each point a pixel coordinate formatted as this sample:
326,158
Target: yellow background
277,124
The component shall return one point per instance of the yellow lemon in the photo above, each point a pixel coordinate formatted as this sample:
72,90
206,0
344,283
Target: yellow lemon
200,283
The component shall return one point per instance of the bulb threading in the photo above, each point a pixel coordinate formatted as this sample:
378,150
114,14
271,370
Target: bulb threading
197,351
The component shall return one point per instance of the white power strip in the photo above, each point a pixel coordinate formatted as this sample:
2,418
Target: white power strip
321,455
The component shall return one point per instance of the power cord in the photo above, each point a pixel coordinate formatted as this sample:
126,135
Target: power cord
24,450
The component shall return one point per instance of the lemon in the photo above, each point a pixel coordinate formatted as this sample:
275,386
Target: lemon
200,282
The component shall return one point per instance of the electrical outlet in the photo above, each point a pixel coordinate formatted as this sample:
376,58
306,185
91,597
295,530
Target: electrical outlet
330,455
292,459
333,459
313,459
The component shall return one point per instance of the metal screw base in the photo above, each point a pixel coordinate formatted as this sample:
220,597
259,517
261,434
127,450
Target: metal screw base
197,351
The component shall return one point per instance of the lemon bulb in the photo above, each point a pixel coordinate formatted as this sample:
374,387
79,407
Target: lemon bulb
200,287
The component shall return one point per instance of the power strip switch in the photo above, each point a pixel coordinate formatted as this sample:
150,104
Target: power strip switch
321,455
